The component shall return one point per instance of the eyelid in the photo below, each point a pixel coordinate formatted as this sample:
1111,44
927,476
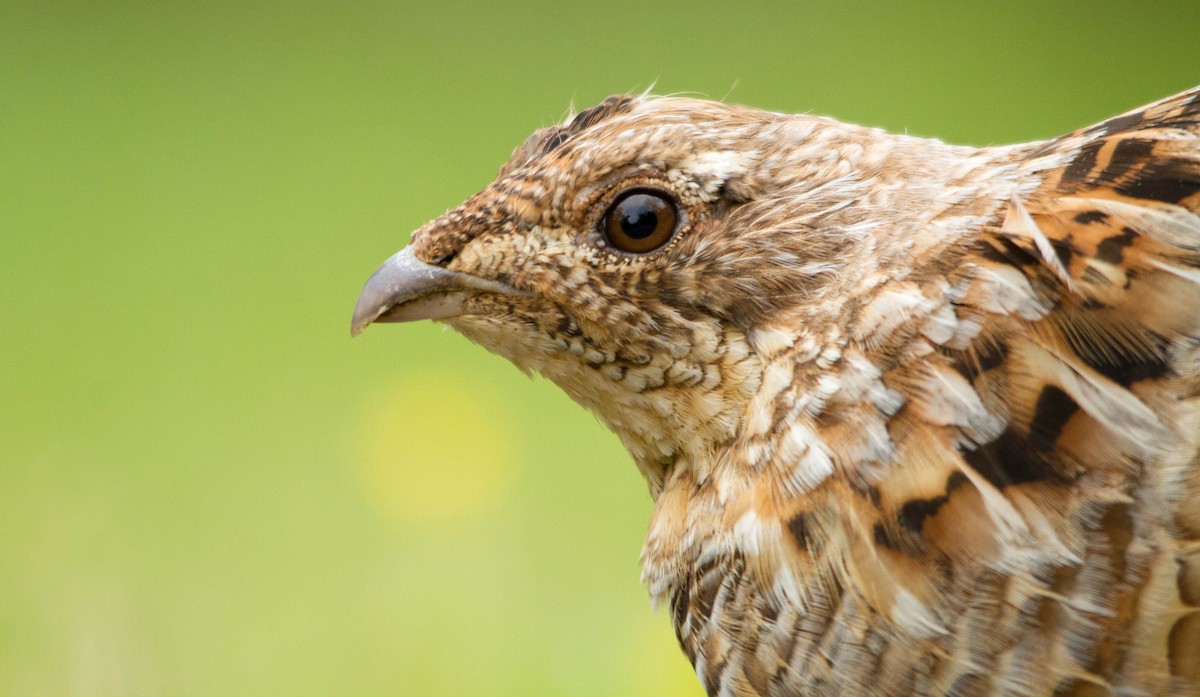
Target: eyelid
600,198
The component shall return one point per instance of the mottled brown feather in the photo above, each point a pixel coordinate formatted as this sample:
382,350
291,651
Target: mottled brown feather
918,419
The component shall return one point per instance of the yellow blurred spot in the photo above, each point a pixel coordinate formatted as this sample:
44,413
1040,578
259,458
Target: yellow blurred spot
436,449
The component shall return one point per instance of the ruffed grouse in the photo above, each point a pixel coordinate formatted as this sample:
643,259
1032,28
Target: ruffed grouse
918,419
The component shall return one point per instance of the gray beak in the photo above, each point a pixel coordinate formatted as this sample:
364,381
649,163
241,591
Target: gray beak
406,289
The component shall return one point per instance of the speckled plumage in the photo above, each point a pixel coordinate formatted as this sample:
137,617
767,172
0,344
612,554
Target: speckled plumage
918,419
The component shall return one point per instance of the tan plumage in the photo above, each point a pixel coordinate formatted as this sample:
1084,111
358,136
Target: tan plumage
918,419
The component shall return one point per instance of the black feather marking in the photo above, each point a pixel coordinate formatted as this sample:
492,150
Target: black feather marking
1009,252
1128,369
1053,410
1112,249
1169,180
912,514
704,593
1064,250
1127,154
881,537
1117,124
616,104
1010,460
798,527
1083,163
984,356
555,138
989,354
679,608
1089,217
770,612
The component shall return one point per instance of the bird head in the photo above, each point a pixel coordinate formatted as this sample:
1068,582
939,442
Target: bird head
649,255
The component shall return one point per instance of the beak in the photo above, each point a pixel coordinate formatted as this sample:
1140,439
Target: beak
406,289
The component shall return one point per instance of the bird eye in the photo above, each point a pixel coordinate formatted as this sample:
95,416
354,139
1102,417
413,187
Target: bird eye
640,221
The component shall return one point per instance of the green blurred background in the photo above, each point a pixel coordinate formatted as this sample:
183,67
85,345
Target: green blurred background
206,488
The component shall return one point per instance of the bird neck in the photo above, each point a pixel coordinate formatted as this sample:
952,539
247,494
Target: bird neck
671,411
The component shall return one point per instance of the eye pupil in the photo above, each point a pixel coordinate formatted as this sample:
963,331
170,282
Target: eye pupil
638,221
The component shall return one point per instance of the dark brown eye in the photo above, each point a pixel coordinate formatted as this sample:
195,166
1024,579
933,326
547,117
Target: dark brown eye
640,221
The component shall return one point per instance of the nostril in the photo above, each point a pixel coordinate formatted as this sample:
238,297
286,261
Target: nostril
445,259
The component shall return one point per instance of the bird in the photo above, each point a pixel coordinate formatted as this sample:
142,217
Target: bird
916,418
